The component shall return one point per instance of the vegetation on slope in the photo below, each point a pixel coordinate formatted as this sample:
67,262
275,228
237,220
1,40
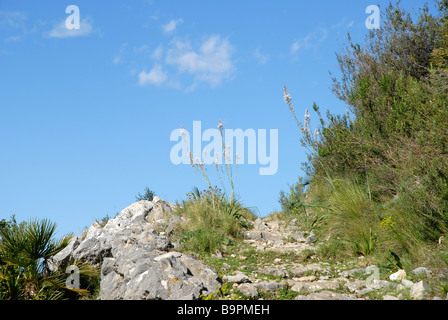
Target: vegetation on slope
378,175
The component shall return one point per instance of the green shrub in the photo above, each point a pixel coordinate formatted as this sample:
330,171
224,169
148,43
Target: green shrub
25,249
211,221
333,249
147,195
203,241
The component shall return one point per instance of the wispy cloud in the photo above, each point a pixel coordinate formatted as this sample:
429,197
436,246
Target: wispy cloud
155,77
260,57
343,23
171,26
15,26
312,40
299,44
158,53
61,30
13,19
119,57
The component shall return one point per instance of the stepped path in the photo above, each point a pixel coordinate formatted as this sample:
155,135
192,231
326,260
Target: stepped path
279,261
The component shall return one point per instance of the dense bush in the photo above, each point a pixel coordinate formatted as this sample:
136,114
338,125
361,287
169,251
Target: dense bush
382,169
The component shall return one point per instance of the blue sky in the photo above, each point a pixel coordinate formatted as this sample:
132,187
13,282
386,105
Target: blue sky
86,115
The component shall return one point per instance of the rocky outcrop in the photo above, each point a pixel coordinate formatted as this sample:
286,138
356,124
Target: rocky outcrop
137,258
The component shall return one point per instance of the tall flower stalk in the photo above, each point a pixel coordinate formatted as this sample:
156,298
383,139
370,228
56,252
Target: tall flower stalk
309,140
223,169
227,169
198,166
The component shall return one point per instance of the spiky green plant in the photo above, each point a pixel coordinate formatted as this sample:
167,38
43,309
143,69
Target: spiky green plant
25,250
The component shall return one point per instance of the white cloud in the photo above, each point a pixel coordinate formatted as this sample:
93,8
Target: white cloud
13,38
300,43
158,53
61,31
312,40
13,19
344,23
261,58
210,63
15,26
156,76
171,26
119,57
323,34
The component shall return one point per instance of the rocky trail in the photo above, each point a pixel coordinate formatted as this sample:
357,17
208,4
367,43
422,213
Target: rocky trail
139,260
297,275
